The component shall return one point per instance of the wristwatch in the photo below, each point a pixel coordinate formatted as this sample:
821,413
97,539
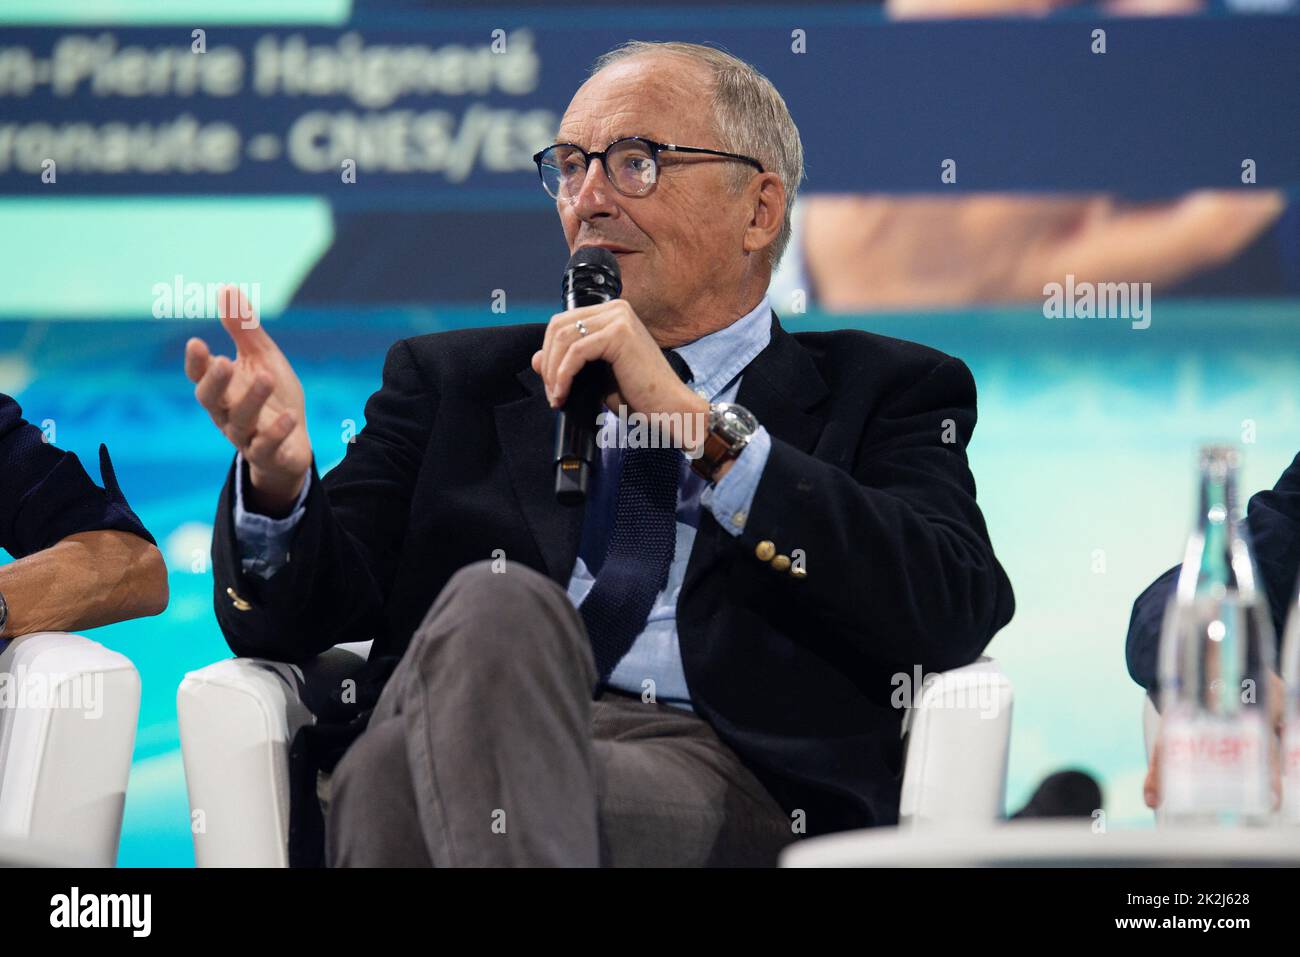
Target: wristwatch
4,614
731,427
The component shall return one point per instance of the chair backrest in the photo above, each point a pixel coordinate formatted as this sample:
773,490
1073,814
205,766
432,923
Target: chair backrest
958,738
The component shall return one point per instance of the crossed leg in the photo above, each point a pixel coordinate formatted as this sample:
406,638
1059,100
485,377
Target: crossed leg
486,749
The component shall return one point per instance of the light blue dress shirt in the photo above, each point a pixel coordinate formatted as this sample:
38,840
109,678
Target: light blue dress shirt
654,663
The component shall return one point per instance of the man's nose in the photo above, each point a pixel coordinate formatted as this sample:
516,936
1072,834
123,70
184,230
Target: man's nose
596,196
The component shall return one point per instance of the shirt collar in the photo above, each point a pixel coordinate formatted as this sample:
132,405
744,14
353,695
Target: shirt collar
716,359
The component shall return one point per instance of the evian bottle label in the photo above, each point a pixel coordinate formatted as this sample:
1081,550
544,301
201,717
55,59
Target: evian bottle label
1291,772
1214,765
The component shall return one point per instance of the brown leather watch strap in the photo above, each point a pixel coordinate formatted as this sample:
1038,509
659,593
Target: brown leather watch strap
716,452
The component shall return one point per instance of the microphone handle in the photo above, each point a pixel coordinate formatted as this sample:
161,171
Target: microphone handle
575,423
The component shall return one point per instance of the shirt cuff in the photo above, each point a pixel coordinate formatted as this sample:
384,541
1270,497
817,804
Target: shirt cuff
264,541
730,499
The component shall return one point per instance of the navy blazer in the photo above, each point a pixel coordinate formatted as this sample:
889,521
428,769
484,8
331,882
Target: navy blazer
867,474
46,495
1273,521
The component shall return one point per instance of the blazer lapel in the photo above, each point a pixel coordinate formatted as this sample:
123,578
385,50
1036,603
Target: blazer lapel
527,430
779,387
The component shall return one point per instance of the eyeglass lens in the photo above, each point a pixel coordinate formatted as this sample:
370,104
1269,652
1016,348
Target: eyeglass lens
629,164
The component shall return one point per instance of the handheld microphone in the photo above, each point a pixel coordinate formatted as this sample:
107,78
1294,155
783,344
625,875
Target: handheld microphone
591,277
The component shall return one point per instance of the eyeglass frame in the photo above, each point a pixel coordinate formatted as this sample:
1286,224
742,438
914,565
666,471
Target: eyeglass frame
655,150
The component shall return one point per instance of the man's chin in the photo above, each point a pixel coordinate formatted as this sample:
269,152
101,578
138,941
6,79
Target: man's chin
632,276
628,259
635,294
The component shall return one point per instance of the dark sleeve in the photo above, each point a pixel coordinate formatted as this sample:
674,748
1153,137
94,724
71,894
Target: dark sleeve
1273,521
343,555
1273,518
1144,629
898,556
46,495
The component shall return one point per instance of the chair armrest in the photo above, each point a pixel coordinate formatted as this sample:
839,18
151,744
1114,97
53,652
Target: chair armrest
958,739
237,719
68,716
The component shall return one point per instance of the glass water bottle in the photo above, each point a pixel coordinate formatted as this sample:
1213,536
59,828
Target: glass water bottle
1216,657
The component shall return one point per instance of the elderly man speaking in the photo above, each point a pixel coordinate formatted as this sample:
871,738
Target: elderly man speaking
694,669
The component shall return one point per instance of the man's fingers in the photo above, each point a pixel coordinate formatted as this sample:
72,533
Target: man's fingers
553,342
262,451
581,351
239,320
242,420
563,336
1151,786
549,348
211,390
1151,791
197,357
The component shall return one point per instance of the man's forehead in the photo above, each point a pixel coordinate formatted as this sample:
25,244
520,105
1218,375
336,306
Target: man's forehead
595,123
600,141
641,97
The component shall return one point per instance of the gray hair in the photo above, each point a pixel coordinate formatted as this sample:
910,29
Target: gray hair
750,118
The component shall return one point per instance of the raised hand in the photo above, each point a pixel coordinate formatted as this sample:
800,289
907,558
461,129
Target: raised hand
257,402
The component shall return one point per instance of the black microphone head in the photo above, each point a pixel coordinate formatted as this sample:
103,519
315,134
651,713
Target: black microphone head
591,277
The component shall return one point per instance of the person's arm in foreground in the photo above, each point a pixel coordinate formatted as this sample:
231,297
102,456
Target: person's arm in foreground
84,581
83,558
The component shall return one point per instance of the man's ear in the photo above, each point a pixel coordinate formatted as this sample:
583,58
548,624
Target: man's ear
766,200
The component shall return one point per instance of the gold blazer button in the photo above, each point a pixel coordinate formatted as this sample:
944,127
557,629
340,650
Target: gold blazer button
765,550
781,563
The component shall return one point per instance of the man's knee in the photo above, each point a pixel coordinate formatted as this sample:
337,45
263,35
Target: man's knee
505,611
512,586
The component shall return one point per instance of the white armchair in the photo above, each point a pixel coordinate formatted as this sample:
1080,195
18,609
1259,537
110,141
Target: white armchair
68,714
958,740
238,718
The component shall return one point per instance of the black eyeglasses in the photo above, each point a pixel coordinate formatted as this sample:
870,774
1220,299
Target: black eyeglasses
631,165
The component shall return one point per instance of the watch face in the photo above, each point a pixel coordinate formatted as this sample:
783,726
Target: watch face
737,421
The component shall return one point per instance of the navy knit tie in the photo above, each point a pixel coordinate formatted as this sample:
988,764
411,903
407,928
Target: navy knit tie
641,547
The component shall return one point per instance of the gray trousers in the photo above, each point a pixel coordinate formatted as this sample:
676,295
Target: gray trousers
486,749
